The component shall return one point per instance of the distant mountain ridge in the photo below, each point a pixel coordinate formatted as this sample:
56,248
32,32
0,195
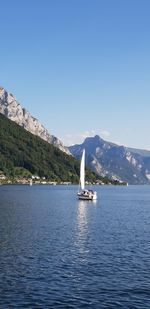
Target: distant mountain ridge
12,109
105,158
116,162
23,154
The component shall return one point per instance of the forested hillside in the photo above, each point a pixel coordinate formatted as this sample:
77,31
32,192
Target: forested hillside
26,154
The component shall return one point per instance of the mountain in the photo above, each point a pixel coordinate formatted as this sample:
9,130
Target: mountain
12,109
22,152
116,162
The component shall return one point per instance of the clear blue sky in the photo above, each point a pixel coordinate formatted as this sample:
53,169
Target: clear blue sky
82,67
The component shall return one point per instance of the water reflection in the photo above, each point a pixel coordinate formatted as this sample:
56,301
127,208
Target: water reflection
82,217
81,235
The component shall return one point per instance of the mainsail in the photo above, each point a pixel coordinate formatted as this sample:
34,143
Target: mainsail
82,170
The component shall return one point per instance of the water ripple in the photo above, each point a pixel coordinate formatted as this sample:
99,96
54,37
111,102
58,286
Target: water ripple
56,252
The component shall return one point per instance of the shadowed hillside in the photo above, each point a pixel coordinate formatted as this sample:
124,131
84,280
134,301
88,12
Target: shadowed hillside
25,153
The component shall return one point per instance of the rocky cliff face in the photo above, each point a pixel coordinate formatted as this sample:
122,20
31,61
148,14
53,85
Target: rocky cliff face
116,162
10,108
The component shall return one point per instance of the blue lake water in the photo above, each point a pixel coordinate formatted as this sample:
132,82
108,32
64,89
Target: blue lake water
58,252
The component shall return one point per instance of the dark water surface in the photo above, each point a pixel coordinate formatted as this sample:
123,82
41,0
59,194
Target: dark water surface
57,252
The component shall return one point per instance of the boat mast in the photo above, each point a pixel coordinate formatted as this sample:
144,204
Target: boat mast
82,170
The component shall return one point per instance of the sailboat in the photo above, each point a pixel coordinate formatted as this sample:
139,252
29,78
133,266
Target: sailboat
83,193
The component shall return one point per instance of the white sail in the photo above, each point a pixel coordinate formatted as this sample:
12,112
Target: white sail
84,194
82,170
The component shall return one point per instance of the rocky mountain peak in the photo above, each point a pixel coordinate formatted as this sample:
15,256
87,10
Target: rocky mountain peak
116,162
12,109
95,139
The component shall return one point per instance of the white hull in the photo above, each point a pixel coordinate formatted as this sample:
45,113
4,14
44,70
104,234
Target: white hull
87,195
